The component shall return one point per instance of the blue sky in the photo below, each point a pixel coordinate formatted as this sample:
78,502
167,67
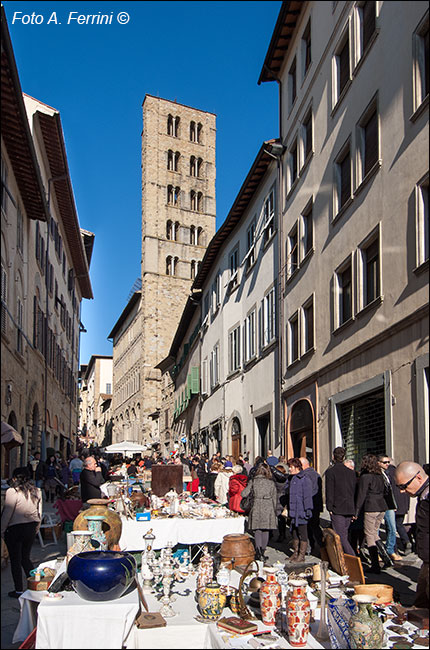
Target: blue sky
203,54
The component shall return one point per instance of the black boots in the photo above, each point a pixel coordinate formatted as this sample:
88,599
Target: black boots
374,558
384,554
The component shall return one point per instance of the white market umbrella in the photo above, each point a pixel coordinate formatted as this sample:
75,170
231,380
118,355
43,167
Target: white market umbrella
125,447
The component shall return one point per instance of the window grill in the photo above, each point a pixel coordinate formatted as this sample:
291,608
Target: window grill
362,423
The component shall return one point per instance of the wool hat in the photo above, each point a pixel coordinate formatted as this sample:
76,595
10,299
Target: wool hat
237,469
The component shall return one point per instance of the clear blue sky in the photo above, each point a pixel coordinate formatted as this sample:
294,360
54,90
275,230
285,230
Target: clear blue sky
203,54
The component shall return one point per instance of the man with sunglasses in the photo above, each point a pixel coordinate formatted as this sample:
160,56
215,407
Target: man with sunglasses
411,478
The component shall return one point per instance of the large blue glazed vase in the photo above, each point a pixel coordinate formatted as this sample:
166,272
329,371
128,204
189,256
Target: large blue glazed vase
101,575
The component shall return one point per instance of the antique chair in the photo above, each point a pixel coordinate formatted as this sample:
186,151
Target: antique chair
341,562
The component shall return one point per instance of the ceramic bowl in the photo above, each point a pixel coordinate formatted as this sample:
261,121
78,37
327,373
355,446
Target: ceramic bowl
101,575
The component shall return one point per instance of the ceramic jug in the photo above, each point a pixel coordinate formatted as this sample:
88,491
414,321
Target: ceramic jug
270,597
298,614
366,629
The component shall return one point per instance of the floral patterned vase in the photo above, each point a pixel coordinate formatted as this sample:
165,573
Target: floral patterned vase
366,629
95,527
298,614
211,601
205,570
270,597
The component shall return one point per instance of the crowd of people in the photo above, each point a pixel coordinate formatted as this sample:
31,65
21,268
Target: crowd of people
279,494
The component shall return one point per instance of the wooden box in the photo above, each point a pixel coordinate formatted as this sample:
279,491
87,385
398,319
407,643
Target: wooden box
38,585
166,477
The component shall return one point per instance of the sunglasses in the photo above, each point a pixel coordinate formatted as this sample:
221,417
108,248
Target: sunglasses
403,486
384,462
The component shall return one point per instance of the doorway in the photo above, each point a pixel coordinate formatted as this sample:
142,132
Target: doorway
235,439
302,431
263,426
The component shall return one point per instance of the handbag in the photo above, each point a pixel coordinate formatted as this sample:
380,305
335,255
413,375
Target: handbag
247,502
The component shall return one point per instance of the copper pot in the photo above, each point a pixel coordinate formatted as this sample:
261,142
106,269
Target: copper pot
237,549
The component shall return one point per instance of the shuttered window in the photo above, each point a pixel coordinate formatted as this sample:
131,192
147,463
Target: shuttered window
371,153
343,67
362,423
345,179
3,299
369,22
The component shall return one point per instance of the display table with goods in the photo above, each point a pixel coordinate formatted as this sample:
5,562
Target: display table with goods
160,599
179,519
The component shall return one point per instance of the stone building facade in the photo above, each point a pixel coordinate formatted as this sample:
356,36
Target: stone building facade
44,274
127,343
353,79
95,388
178,221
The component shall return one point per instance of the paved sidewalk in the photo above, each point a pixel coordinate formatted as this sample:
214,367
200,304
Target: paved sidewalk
402,577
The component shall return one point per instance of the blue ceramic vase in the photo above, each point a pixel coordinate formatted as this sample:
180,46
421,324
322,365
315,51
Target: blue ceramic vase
101,575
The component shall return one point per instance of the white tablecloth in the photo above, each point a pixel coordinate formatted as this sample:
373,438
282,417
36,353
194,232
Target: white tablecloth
178,531
76,623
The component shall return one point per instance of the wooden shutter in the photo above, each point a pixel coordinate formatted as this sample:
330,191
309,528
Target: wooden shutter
195,380
369,22
343,66
371,153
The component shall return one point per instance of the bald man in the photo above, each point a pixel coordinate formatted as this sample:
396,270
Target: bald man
412,479
314,529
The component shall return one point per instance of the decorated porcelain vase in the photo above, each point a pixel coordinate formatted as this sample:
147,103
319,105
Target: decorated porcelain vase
366,629
298,614
95,527
270,597
211,601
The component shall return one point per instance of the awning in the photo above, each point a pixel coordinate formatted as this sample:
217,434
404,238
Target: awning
9,436
125,447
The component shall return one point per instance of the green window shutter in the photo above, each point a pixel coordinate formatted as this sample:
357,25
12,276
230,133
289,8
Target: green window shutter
189,388
195,380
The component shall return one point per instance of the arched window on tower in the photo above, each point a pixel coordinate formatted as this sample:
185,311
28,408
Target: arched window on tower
199,167
192,235
199,236
170,126
169,229
193,269
193,132
193,166
177,121
170,161
169,265
176,161
199,202
175,265
193,200
199,132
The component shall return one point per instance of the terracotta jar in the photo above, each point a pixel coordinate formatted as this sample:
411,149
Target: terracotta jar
111,525
237,549
298,614
270,597
366,629
211,601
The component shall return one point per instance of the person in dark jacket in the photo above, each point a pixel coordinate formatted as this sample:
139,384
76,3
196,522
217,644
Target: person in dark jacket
202,472
412,479
403,501
390,514
90,479
340,484
279,473
262,516
370,497
258,461
314,528
210,480
298,491
237,483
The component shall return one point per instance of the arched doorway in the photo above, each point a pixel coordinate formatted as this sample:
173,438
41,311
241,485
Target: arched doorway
301,431
235,438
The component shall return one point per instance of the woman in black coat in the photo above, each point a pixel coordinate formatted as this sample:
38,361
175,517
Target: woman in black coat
370,497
